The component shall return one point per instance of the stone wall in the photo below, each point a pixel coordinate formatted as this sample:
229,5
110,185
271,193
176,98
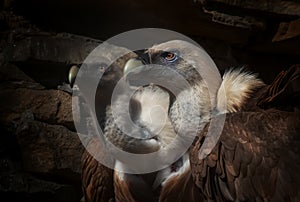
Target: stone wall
39,148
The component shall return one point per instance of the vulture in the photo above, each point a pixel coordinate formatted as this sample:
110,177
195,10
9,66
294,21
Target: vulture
243,135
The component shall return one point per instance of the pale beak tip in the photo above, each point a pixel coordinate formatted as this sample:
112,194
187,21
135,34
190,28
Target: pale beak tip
132,64
72,74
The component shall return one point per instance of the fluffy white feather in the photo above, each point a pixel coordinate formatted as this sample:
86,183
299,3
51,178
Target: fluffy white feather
236,87
154,113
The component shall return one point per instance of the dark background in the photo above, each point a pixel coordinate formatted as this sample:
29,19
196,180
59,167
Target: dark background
243,37
39,148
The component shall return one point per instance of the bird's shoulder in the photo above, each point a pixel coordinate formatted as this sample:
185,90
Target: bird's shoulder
254,151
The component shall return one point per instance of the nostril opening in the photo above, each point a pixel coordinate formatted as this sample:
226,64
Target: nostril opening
144,57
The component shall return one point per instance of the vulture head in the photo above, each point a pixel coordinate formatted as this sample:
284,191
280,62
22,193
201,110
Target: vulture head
168,120
177,93
206,93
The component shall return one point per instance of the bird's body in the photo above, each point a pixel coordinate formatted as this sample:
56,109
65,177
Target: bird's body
147,108
255,158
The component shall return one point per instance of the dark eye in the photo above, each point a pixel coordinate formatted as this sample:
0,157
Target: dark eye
103,68
170,57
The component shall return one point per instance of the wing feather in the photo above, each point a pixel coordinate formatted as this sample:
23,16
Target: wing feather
97,179
260,167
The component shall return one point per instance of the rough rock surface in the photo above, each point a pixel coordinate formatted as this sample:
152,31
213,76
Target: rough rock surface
287,30
39,148
38,142
287,7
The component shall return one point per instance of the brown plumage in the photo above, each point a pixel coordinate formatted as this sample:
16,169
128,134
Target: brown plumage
122,190
257,155
284,91
255,159
181,187
97,179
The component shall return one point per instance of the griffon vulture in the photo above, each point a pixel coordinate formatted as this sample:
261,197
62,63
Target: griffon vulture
255,157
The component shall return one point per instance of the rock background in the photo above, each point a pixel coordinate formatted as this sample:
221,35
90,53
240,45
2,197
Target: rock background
40,151
39,148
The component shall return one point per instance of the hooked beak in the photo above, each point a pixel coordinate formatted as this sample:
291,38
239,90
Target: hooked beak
132,64
142,59
72,74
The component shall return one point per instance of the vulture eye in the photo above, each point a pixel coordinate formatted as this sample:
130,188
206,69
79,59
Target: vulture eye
170,57
102,68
